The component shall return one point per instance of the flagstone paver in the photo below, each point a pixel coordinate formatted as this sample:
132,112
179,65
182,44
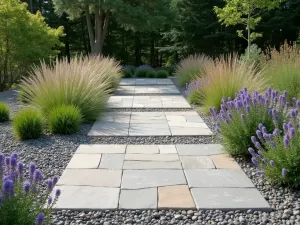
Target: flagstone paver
147,89
178,196
138,199
145,81
85,161
217,178
230,199
157,176
87,198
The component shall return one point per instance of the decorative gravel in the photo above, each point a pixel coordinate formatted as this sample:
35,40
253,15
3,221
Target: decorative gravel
52,153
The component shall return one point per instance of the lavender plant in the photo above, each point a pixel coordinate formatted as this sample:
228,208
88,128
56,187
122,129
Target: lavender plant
279,156
238,118
22,201
192,92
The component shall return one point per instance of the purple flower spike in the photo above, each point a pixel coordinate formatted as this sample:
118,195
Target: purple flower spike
285,127
32,168
293,113
276,100
14,155
57,193
272,163
1,158
285,93
55,180
251,150
40,219
258,146
294,100
13,163
286,140
259,134
266,136
38,176
26,187
284,172
260,126
49,185
8,187
20,167
290,125
253,139
7,161
254,160
292,132
276,132
264,130
259,172
264,160
50,200
273,112
230,115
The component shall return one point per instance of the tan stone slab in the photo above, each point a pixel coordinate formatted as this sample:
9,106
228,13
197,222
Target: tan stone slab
167,149
154,157
224,162
99,149
146,165
197,162
84,161
178,196
142,149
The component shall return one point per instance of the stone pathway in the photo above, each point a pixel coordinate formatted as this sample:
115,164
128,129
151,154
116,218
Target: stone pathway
154,176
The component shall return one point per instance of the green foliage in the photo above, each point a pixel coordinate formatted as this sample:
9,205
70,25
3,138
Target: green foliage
190,68
252,55
128,71
64,119
279,158
194,97
85,82
283,70
151,74
4,112
225,77
25,38
161,74
28,124
141,73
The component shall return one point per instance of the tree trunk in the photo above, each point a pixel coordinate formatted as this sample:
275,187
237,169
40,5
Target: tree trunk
90,28
249,32
137,50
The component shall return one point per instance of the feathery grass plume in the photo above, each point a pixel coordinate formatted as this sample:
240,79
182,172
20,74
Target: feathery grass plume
225,78
239,119
283,70
4,112
85,82
192,92
279,158
191,68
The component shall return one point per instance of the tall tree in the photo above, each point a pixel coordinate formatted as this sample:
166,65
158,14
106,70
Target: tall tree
247,13
135,14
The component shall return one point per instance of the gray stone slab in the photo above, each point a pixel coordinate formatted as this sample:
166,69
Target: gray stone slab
111,129
120,102
137,179
142,149
87,198
112,161
143,165
158,129
125,90
84,161
99,149
91,177
138,199
127,81
230,199
207,178
145,81
200,149
197,162
153,157
167,149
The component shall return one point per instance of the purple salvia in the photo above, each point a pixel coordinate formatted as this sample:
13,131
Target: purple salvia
259,152
275,100
13,163
274,112
294,100
264,160
50,200
57,193
37,176
55,180
14,155
292,132
270,112
49,185
8,187
259,134
286,140
254,160
285,93
20,167
264,130
276,132
285,127
260,126
258,146
293,113
284,172
230,115
266,136
272,163
7,162
252,152
253,139
26,187
290,125
260,172
40,219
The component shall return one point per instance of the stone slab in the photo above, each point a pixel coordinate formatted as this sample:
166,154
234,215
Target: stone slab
112,161
208,178
120,102
230,199
84,161
87,198
200,149
144,165
153,157
197,162
138,199
99,149
149,129
145,81
224,161
142,149
137,179
175,197
91,177
167,149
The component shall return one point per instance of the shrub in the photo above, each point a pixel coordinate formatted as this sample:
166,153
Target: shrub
283,70
4,112
278,157
254,55
169,69
151,74
225,78
128,71
22,200
143,70
64,119
28,124
85,82
190,68
238,119
161,74
192,92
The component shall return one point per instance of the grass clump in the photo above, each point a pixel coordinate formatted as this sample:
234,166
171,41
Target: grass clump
225,78
128,71
142,71
28,124
4,112
85,82
190,68
278,156
239,118
151,74
64,119
283,70
192,92
161,74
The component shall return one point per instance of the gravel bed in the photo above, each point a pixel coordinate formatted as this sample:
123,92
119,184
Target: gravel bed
52,153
